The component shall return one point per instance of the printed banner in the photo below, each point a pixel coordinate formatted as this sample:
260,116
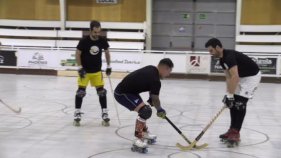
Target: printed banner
38,59
198,64
67,60
215,65
124,61
267,65
120,61
8,58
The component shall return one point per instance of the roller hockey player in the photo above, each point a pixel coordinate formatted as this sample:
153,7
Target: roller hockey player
242,79
89,61
127,93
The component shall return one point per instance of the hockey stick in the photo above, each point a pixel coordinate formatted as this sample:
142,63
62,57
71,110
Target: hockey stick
202,132
112,92
17,111
184,137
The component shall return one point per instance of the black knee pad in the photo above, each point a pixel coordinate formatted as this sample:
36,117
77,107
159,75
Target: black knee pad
145,112
81,92
240,102
101,92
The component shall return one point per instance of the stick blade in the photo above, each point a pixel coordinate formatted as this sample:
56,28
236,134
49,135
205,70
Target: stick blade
191,146
15,110
201,146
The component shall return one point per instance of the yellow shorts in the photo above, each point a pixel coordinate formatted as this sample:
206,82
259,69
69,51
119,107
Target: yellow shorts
96,80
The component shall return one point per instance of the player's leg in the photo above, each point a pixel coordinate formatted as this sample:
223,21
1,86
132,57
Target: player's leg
103,103
247,87
239,111
134,102
80,94
225,135
96,80
145,113
151,138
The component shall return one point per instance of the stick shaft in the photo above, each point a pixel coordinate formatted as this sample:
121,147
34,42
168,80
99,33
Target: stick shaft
210,123
177,129
110,83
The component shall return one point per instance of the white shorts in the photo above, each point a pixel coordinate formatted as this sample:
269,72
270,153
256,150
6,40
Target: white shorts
248,85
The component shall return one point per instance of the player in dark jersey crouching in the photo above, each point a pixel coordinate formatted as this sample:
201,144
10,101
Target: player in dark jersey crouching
146,79
242,79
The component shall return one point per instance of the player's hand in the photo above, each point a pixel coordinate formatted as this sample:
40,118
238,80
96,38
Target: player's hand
108,71
161,113
228,101
81,72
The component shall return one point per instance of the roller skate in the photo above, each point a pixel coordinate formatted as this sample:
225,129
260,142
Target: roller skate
233,139
105,118
77,117
139,146
150,138
224,137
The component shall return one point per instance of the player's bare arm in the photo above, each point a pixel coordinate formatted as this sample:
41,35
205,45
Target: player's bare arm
156,101
107,56
232,78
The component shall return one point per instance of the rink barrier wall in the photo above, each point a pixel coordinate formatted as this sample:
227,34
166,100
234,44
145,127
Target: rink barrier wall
124,61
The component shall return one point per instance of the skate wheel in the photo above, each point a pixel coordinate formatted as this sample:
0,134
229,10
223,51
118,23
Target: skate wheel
232,144
223,140
75,123
104,123
151,141
144,150
133,149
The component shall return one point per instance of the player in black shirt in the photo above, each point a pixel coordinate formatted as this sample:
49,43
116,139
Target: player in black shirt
89,61
242,79
146,79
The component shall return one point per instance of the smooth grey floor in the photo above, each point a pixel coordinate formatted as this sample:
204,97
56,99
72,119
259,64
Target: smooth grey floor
44,128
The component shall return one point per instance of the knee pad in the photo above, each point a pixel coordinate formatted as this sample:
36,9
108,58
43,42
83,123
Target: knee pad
240,102
101,92
145,112
81,93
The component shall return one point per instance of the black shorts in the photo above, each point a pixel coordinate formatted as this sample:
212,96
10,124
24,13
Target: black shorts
130,101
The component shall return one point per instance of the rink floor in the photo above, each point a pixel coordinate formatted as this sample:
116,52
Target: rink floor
44,128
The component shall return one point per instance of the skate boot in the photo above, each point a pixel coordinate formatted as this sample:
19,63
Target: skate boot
105,118
150,138
139,146
77,117
233,139
224,137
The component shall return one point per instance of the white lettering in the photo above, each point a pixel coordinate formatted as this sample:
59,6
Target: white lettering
264,61
107,1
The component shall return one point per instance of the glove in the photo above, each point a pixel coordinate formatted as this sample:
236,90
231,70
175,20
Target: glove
161,113
108,71
228,101
81,72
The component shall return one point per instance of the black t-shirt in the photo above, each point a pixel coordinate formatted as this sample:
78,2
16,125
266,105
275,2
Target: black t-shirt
91,53
146,79
246,66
